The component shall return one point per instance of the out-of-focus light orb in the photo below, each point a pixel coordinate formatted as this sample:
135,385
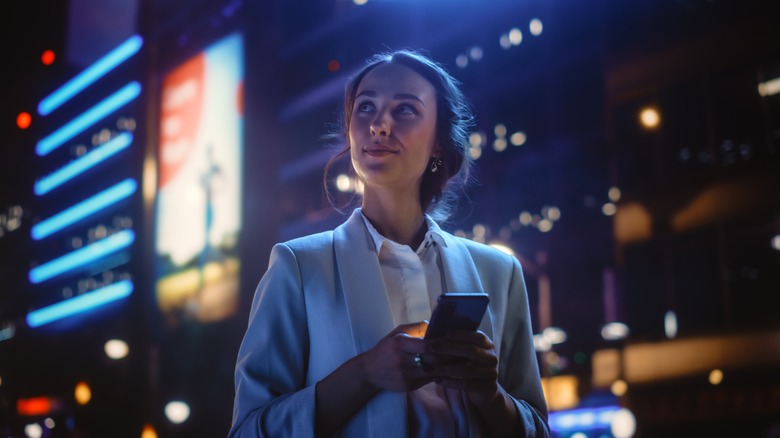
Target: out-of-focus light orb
650,118
47,57
504,41
776,242
614,331
499,144
541,344
619,388
518,138
579,435
609,209
33,430
360,2
475,139
49,423
544,225
116,349
614,194
479,230
148,432
500,130
23,120
476,53
82,393
515,36
462,60
177,412
343,183
716,377
554,335
623,424
535,27
503,248
525,218
670,324
475,153
553,213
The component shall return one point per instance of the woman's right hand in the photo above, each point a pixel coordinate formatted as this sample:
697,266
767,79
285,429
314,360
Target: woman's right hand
391,365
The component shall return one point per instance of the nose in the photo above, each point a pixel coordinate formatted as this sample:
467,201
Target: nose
380,125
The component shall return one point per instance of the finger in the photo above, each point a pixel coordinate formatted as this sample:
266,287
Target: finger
455,349
464,371
415,329
477,337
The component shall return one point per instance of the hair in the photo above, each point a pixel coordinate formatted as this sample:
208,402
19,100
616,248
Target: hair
454,120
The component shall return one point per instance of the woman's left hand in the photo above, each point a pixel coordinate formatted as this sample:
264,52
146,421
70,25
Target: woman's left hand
466,361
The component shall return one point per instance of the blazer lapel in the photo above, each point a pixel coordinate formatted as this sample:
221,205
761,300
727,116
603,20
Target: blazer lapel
361,278
370,317
460,274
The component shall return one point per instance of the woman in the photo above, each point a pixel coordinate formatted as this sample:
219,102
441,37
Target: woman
335,330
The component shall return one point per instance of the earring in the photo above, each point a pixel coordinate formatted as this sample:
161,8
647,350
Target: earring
435,164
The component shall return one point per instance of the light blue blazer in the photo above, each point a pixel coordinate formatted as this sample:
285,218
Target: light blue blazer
323,301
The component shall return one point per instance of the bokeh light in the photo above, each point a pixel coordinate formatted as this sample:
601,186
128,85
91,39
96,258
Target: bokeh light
82,393
23,120
650,118
535,27
177,412
116,349
48,57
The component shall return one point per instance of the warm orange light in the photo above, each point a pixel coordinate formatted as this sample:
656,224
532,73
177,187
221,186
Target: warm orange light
82,393
47,57
33,406
650,118
334,65
23,120
148,432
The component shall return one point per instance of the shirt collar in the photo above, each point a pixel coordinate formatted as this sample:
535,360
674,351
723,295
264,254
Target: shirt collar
434,234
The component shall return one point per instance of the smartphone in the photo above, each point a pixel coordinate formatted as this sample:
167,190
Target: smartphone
457,311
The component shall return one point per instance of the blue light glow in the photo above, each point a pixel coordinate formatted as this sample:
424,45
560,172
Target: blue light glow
88,118
80,304
83,164
84,209
91,74
82,256
579,420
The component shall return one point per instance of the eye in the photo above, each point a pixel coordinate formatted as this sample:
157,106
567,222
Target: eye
364,107
405,109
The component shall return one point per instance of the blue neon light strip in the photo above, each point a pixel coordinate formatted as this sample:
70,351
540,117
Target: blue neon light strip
88,118
84,209
83,164
80,304
91,74
82,256
580,420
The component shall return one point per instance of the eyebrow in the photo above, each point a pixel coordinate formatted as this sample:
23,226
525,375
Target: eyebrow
397,96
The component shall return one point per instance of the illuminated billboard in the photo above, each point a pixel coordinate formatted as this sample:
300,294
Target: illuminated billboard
198,211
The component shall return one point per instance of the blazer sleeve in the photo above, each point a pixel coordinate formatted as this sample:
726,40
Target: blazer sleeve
518,368
272,398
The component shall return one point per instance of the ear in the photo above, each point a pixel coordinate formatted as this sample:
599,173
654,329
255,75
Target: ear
436,153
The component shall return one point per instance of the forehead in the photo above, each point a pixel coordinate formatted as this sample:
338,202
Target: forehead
397,79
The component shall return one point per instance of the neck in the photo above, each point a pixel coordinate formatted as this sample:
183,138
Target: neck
400,219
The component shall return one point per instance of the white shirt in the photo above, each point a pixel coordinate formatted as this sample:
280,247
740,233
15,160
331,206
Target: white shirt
413,281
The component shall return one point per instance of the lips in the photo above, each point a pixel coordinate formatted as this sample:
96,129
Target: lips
379,151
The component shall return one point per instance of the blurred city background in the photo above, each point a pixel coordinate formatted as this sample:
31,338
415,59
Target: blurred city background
152,151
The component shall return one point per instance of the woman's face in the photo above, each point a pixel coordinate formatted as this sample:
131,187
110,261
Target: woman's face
392,132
